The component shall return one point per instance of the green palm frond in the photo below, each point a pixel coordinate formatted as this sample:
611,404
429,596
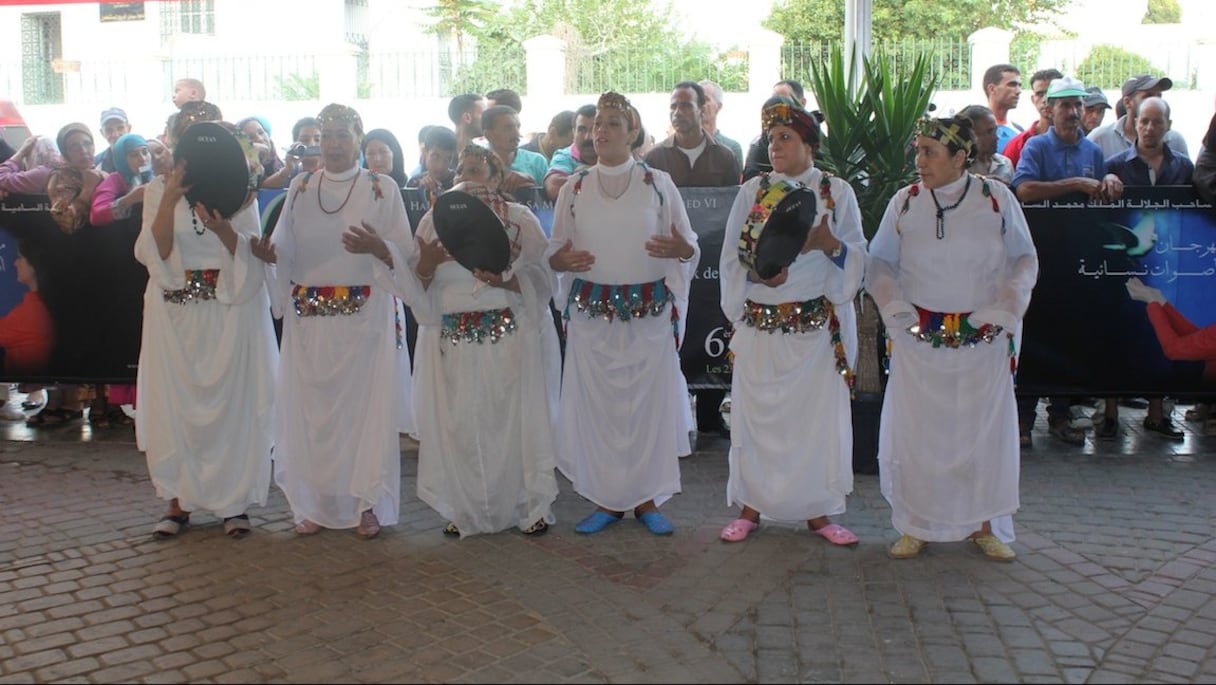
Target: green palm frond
871,122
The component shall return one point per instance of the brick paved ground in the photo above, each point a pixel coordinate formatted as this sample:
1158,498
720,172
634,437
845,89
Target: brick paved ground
1114,582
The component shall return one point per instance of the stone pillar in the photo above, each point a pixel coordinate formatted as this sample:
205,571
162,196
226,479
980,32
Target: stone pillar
546,66
763,64
857,37
990,46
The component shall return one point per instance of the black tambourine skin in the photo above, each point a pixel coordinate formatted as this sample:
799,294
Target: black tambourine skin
217,170
471,232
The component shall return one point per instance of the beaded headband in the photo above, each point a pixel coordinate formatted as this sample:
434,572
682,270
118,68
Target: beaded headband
341,114
785,114
946,131
195,111
614,100
493,161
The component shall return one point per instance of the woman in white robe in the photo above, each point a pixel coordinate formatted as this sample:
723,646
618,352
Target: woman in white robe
794,344
625,254
341,233
487,372
951,269
207,360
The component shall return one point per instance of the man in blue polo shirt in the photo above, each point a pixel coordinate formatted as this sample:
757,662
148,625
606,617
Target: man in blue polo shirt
1061,164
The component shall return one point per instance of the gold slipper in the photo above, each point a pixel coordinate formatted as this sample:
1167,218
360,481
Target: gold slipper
993,548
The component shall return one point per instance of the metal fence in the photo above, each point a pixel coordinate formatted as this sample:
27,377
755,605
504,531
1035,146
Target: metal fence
950,59
439,73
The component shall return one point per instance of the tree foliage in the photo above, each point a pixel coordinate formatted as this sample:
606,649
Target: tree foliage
459,19
626,45
1163,12
1107,66
823,20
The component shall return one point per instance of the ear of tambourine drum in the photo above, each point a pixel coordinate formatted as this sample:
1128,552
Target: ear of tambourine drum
217,171
774,245
471,232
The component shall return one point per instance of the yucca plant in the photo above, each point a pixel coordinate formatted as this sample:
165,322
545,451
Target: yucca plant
871,121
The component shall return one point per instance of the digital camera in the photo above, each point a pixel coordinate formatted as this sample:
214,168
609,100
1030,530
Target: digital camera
302,150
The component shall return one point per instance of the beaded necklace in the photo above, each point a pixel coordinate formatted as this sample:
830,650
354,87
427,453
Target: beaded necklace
320,184
194,221
941,211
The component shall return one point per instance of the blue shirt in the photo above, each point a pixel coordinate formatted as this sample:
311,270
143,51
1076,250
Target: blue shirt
1006,133
1047,158
1133,171
531,164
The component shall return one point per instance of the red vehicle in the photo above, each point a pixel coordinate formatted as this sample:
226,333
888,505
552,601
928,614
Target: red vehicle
12,126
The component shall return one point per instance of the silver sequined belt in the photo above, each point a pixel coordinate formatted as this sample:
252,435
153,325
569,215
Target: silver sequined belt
329,300
479,326
200,287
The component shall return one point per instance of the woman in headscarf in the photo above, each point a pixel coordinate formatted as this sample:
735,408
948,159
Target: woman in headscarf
382,154
951,270
123,190
487,372
795,339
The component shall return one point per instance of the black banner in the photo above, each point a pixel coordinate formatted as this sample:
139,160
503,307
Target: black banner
1083,333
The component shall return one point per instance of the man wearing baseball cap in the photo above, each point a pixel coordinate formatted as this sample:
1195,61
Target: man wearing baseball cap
114,125
1096,105
1061,164
1121,135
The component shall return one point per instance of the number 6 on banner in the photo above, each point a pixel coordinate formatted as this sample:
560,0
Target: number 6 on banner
715,342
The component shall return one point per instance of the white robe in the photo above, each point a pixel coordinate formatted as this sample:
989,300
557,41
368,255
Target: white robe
337,452
206,368
791,453
485,410
948,442
623,415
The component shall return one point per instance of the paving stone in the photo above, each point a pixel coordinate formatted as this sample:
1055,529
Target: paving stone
1113,584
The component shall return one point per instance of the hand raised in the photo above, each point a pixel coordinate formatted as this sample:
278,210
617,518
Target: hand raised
569,259
263,249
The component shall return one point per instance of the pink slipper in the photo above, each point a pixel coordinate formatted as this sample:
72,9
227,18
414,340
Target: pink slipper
738,530
836,534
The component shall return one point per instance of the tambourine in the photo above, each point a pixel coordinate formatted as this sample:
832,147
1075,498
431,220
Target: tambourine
471,232
775,231
217,168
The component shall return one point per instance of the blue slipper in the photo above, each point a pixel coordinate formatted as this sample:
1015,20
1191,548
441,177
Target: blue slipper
595,522
657,523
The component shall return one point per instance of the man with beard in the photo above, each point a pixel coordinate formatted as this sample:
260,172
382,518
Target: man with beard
465,112
580,153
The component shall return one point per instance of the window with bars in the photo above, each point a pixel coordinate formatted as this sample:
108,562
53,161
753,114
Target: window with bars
356,22
188,16
41,49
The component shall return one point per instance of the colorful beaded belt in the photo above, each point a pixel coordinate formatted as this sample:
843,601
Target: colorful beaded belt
329,300
478,327
953,330
622,302
200,287
788,317
800,317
